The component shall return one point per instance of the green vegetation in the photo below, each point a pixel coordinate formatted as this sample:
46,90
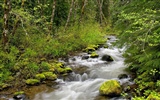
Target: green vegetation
110,88
94,55
32,81
18,93
137,22
34,34
50,75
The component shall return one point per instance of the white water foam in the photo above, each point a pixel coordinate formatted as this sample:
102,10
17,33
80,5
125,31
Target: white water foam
86,86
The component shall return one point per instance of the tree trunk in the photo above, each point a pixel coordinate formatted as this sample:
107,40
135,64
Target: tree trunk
17,21
82,10
7,7
75,11
52,16
101,15
69,15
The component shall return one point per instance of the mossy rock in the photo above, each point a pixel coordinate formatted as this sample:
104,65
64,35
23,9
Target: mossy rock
20,95
110,88
50,75
94,46
32,81
52,69
60,64
154,96
89,49
105,46
19,92
40,76
94,55
4,86
61,70
68,69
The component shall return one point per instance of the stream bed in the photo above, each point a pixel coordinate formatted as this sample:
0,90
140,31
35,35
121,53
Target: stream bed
84,84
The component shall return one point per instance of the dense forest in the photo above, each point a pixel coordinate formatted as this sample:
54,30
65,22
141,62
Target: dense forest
35,33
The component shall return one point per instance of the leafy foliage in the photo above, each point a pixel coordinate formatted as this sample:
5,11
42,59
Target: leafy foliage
138,25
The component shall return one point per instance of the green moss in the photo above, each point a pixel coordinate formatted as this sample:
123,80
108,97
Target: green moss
93,46
61,70
89,49
68,69
40,76
105,46
110,88
50,75
45,66
154,96
18,93
60,64
94,55
52,69
10,79
4,86
32,81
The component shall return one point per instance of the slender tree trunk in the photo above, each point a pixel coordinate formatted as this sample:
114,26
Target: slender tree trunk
22,4
69,15
75,11
17,21
7,7
101,15
100,11
52,16
82,10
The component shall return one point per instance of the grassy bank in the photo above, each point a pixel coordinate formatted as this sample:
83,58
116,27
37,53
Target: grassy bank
29,56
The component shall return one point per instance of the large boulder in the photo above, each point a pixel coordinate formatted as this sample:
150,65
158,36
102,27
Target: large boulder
110,88
107,58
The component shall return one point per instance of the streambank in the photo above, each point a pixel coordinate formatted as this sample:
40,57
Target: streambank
85,85
89,72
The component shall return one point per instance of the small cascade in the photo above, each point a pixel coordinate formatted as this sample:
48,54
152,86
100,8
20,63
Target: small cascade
85,85
78,77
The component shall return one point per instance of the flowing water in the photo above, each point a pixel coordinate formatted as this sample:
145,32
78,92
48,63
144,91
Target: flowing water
85,85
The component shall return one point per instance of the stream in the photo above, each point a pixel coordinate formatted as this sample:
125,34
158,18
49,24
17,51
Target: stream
84,84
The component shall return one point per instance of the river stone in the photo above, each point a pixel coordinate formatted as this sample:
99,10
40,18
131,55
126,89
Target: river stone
68,69
20,96
122,76
94,55
110,88
107,58
85,57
